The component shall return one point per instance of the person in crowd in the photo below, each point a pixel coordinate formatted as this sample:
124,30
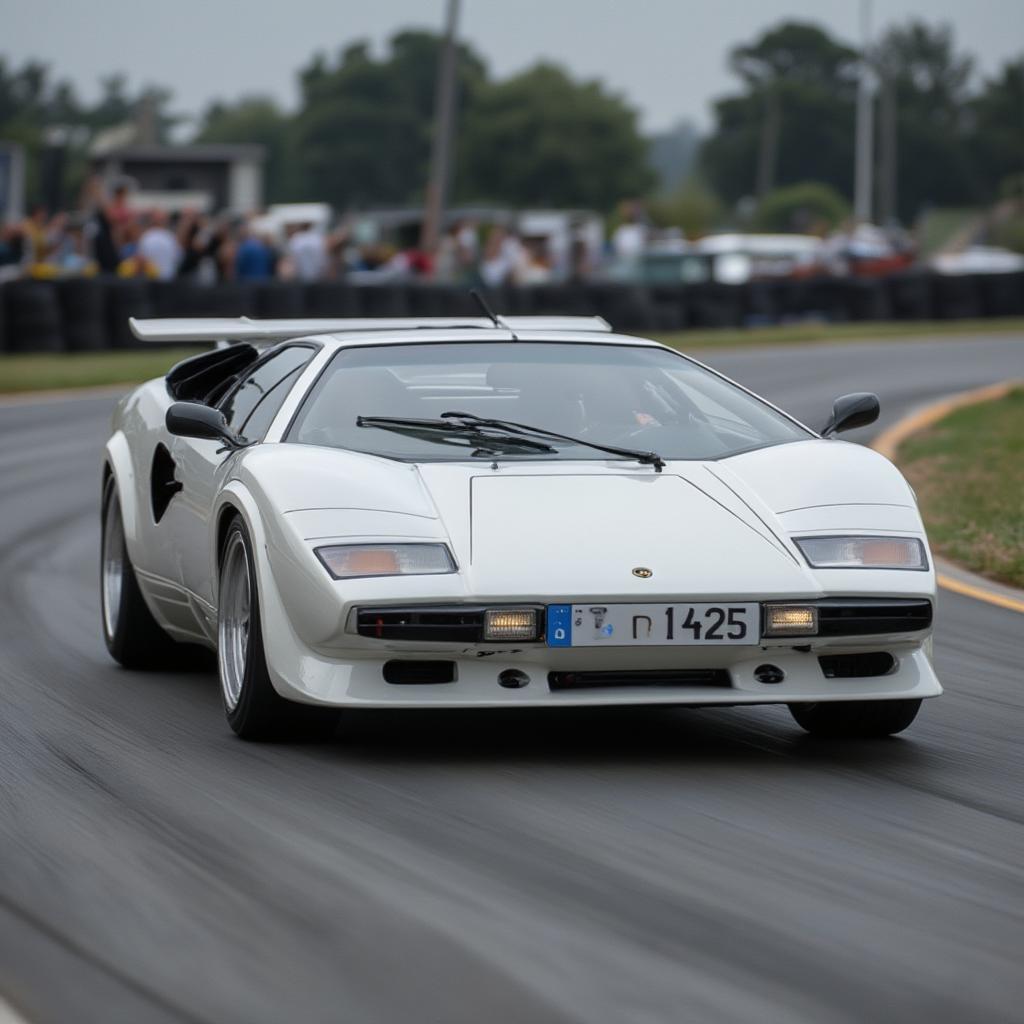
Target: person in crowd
158,247
307,250
502,256
579,260
70,254
254,257
120,214
191,243
457,253
35,232
630,238
534,266
98,229
132,263
227,249
338,243
208,251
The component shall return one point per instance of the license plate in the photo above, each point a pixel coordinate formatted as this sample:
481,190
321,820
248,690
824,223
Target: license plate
652,625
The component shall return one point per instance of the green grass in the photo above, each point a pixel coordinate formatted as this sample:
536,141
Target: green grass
46,371
821,333
968,471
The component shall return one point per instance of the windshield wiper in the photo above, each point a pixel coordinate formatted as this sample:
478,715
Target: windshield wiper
483,437
647,458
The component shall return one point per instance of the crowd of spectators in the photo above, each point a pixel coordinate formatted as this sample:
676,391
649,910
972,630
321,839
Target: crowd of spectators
110,234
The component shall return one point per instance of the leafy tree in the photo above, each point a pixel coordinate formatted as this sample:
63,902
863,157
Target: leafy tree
998,131
809,208
793,121
541,138
30,104
363,132
692,207
927,81
258,119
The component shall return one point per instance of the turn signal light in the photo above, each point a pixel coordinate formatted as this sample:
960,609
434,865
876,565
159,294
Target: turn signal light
790,620
510,624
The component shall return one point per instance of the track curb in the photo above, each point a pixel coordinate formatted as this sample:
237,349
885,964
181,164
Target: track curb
950,575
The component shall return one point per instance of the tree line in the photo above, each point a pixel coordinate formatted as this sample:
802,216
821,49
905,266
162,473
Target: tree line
361,132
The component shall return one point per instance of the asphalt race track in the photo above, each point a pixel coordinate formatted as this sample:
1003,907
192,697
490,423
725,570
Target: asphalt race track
646,866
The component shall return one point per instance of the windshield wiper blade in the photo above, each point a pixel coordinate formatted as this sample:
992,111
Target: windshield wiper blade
644,457
484,437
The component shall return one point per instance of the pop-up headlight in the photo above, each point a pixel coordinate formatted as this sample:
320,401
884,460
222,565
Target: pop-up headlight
350,561
863,552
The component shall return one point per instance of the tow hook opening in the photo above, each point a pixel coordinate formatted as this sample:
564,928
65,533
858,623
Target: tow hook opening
513,679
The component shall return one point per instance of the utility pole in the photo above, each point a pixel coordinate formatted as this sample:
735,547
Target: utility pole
888,129
863,185
444,123
768,149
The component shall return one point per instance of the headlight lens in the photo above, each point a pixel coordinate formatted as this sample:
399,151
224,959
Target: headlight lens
863,552
349,561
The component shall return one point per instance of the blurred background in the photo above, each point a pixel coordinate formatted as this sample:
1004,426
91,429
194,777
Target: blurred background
652,158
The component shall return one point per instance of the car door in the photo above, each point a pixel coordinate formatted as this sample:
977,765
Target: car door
202,466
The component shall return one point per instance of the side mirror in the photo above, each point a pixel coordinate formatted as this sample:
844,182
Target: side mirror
849,411
193,419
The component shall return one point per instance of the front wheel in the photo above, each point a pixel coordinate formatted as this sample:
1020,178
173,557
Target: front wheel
856,719
254,709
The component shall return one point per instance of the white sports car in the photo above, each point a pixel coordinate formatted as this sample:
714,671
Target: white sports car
525,513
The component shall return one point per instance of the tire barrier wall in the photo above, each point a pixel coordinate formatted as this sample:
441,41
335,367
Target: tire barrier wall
89,314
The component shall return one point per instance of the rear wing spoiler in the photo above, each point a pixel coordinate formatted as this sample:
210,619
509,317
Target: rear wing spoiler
266,332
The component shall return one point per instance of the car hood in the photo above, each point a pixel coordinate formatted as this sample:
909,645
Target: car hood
586,534
545,530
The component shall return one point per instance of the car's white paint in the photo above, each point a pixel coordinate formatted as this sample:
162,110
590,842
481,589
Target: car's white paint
544,532
245,329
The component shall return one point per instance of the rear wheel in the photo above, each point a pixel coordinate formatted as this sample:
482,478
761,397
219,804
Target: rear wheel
254,709
132,635
856,718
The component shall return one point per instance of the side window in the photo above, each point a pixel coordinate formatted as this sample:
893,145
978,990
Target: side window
251,407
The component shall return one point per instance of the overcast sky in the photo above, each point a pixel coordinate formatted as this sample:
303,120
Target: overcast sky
667,57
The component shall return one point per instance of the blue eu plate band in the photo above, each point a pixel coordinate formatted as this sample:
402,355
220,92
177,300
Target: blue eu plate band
559,620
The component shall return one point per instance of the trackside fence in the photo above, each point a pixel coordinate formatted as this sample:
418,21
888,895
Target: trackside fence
86,314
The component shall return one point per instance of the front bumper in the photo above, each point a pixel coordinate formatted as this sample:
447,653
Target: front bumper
360,681
315,654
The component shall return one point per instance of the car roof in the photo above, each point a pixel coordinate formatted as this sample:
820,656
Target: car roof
426,336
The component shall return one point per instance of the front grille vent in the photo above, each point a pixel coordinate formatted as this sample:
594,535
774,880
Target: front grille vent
639,677
454,624
856,666
862,616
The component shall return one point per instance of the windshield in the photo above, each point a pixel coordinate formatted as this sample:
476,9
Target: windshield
630,396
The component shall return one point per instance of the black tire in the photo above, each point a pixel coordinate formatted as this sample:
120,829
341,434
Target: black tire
83,314
258,712
856,719
33,317
131,633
